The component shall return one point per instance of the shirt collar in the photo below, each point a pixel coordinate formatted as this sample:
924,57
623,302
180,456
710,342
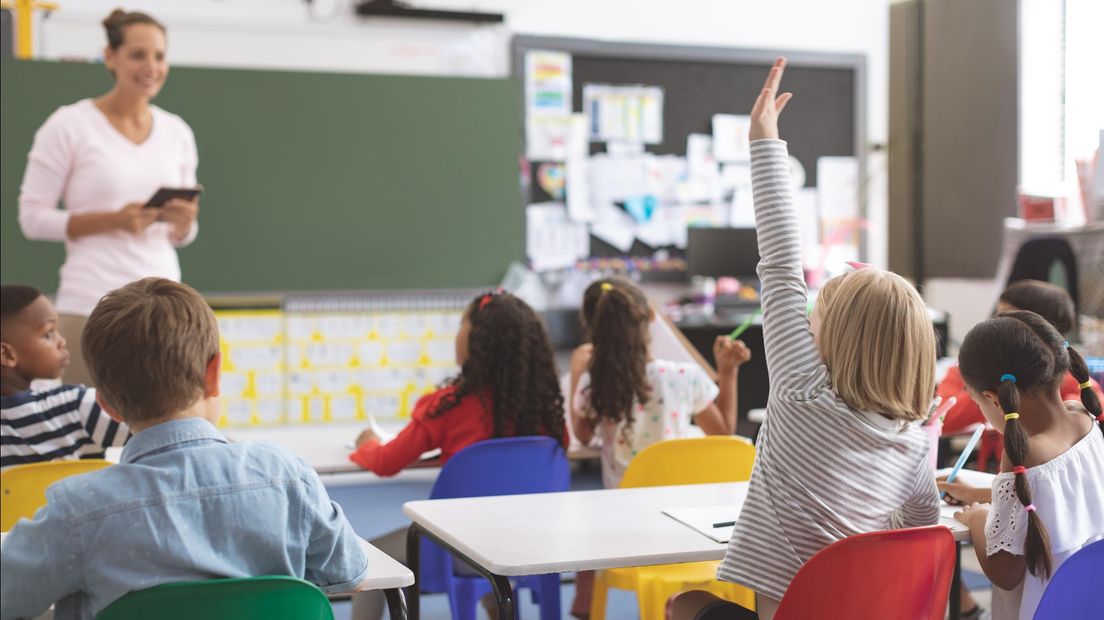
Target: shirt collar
168,434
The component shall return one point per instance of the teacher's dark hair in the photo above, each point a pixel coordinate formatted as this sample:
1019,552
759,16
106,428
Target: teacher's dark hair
116,24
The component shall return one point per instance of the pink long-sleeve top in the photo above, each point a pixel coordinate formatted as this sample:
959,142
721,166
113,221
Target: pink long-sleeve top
81,161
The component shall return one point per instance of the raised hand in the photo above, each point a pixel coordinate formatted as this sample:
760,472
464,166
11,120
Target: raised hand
769,104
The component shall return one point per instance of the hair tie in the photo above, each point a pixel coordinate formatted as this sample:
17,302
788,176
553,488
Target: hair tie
1019,470
488,296
1100,418
606,287
1029,508
1086,385
1011,416
1008,377
1065,344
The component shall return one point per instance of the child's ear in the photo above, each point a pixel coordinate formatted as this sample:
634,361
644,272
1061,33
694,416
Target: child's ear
212,375
108,409
991,397
7,355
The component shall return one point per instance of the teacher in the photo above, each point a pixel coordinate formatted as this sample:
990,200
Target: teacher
104,158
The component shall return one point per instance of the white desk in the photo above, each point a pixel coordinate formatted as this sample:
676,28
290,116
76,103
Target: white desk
326,446
517,535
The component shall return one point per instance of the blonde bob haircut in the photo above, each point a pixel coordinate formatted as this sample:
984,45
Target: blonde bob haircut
878,343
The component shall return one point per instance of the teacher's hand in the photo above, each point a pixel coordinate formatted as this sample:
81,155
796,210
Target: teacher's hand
134,218
180,214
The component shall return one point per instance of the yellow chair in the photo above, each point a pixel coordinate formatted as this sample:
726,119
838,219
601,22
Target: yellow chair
24,486
678,461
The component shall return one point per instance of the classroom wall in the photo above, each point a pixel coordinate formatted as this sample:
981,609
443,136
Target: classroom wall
325,35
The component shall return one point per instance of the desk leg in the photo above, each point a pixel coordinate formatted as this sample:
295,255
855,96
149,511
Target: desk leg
956,585
503,591
396,603
413,561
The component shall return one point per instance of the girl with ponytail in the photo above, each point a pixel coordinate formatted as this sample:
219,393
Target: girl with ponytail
633,400
1047,502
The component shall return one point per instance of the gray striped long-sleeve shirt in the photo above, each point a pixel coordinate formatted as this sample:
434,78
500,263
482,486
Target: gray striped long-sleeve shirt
823,470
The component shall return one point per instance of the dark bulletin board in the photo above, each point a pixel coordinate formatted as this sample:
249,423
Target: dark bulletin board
826,116
315,181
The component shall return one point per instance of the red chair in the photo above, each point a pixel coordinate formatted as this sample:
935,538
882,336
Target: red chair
904,574
899,574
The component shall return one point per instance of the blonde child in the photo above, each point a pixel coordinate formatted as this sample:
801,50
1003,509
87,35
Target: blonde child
1047,502
632,400
838,454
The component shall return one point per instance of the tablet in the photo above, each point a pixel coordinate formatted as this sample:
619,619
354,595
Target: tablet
166,194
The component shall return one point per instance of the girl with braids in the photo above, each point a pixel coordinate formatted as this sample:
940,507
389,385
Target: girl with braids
633,400
507,387
1048,500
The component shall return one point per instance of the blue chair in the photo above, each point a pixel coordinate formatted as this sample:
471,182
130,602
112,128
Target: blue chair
507,466
1074,591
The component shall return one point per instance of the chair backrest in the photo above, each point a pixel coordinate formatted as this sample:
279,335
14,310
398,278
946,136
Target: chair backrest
1074,591
893,574
24,486
253,598
505,466
698,460
1050,259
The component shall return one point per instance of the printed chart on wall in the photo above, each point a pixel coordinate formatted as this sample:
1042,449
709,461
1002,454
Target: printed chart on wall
295,367
609,176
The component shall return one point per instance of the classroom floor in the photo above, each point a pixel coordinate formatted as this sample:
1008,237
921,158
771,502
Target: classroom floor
375,508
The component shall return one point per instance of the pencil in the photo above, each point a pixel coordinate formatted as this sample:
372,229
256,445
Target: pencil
736,333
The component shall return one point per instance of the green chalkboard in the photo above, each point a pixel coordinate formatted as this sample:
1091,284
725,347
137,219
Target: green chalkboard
314,181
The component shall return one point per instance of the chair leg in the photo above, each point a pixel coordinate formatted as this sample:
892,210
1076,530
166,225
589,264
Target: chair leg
598,600
548,596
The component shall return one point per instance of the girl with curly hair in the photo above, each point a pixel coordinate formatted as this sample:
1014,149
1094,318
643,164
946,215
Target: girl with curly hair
507,387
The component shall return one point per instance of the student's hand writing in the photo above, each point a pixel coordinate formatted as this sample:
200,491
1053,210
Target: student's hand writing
134,218
764,116
729,353
180,214
960,493
972,512
365,436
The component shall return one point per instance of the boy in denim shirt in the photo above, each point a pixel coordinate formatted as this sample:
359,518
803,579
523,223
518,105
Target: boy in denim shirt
183,503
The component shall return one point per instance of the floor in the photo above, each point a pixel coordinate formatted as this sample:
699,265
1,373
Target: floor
375,508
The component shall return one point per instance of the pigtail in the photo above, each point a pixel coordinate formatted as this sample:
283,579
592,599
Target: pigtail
1037,545
617,323
1089,397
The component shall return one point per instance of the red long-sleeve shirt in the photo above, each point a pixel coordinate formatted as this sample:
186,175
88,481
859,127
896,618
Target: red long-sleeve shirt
454,430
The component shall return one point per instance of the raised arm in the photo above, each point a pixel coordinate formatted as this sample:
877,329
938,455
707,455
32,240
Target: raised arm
793,362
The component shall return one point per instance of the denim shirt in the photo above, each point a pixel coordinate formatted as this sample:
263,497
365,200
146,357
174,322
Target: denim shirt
183,504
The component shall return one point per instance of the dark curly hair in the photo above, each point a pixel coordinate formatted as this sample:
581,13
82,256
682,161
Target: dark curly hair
510,363
616,316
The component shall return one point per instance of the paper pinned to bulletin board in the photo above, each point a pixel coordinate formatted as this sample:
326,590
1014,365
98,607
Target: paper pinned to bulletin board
632,114
547,105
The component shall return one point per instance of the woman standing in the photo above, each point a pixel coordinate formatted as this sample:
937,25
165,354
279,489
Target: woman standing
103,158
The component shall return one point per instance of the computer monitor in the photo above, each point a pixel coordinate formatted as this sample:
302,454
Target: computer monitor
719,252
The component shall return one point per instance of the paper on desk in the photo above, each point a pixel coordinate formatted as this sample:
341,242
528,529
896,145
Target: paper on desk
552,240
703,518
730,137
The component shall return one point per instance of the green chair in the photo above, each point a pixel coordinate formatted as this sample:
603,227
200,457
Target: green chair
253,598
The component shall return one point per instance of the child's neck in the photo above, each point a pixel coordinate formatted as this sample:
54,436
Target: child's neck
12,382
1047,412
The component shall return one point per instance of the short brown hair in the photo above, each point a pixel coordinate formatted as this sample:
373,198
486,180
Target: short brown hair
147,346
878,343
1049,301
116,23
